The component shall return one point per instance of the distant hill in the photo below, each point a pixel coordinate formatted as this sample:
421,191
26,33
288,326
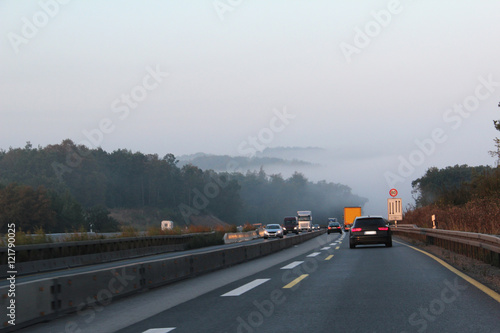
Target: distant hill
295,157
224,162
293,153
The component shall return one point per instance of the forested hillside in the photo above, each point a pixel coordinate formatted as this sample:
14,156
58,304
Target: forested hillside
461,197
452,185
67,186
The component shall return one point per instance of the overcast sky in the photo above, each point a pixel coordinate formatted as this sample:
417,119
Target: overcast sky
388,88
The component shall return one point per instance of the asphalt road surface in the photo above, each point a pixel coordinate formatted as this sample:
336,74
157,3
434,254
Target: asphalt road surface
317,286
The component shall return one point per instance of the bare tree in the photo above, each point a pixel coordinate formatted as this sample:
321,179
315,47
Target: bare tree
496,153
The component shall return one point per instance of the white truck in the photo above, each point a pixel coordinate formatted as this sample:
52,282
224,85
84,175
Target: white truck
305,220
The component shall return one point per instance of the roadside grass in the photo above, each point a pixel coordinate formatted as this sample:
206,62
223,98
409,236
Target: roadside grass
37,237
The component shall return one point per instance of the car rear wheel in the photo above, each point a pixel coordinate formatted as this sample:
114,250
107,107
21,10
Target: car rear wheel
352,245
389,243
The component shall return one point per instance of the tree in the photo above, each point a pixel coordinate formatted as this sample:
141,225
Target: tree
26,207
98,219
69,213
448,186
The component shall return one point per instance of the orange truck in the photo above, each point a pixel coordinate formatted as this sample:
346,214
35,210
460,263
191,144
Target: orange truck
350,213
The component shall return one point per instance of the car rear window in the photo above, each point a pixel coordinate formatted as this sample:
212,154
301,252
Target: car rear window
334,224
375,222
288,222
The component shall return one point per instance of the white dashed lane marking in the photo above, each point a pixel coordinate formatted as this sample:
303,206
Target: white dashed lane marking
314,254
243,289
292,265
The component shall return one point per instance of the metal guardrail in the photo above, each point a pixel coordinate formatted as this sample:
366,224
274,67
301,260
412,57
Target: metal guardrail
474,245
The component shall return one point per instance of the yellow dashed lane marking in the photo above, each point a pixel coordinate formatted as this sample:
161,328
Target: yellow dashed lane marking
294,282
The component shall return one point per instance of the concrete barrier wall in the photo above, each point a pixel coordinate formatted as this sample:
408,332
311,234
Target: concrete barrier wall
46,299
38,266
87,253
25,253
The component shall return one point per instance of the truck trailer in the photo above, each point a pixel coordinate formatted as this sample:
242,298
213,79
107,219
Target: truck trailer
350,214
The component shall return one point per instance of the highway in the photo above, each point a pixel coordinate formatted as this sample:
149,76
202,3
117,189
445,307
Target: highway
318,286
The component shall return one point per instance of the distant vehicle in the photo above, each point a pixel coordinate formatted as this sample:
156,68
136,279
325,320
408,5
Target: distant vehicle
290,224
370,230
273,230
332,219
167,225
305,220
334,227
350,214
316,227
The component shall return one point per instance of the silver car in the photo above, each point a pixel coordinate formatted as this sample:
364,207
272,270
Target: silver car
273,230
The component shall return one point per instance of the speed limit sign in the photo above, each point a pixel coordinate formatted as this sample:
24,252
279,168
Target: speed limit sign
393,192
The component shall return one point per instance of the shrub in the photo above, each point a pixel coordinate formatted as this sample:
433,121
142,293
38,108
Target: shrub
248,227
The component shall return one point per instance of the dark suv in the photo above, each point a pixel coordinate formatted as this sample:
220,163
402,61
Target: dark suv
334,227
290,224
370,230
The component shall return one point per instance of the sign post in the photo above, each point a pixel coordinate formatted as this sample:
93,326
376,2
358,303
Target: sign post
394,207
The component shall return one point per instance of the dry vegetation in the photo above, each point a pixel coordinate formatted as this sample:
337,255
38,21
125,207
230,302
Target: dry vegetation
40,237
480,215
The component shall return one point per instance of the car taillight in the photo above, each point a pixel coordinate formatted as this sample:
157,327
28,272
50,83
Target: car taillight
355,229
383,228
329,227
338,227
